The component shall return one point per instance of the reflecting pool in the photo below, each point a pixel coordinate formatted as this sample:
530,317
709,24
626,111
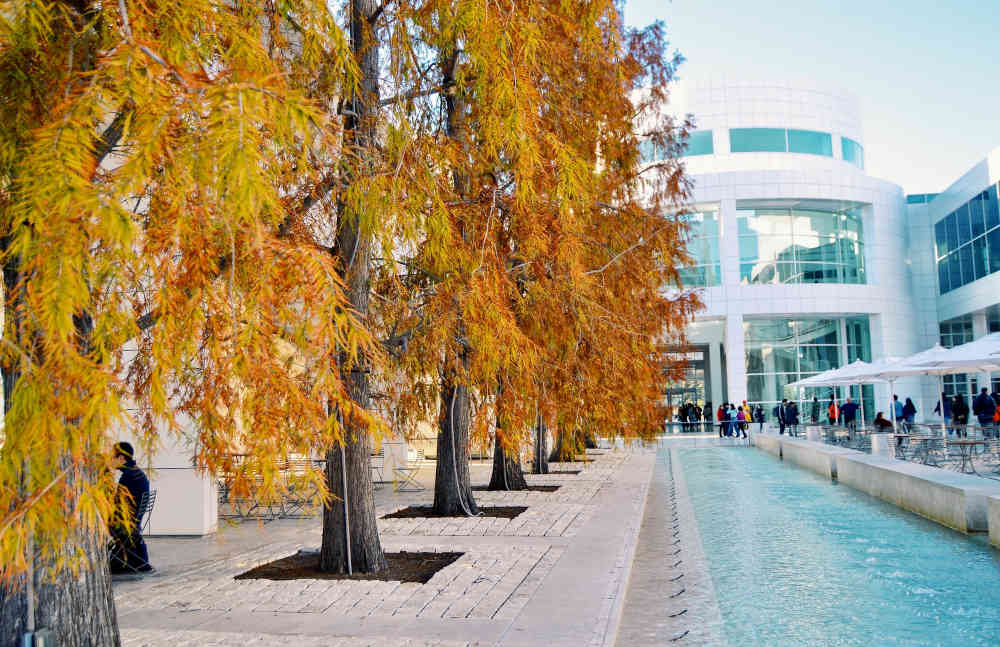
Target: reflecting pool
798,560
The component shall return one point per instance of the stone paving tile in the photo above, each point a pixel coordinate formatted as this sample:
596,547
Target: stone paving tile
479,584
160,638
493,580
539,520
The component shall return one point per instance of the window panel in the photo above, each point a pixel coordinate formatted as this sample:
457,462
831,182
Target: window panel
751,140
951,226
954,271
819,358
964,224
811,142
852,152
991,208
944,283
979,259
993,249
976,216
968,273
699,143
941,238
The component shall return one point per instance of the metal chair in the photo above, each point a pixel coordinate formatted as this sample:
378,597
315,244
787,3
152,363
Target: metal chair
378,465
405,478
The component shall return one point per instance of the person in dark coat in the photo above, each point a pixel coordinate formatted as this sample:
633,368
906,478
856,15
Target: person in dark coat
960,410
129,553
946,402
849,413
984,406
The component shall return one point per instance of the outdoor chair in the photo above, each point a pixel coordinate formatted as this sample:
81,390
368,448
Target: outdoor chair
991,455
405,478
299,495
144,511
377,466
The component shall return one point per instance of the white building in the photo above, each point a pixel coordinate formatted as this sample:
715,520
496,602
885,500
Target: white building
806,262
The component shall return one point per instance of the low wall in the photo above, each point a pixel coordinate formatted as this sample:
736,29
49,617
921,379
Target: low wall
960,501
814,456
993,519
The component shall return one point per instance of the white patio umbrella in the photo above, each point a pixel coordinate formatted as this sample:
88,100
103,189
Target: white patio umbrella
976,356
916,365
860,372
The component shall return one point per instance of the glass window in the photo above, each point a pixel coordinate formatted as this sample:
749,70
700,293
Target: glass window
976,216
800,246
699,143
968,273
703,247
852,152
941,238
993,250
944,284
951,227
964,224
811,142
954,271
991,209
751,140
647,151
979,260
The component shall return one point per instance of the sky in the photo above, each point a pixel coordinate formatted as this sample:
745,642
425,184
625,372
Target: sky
927,73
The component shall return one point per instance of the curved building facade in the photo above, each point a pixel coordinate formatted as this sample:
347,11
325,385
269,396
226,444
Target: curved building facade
801,256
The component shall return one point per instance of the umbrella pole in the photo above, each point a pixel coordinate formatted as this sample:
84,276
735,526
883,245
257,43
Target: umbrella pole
892,404
861,401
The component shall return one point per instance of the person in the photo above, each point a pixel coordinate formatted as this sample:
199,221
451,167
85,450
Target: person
909,412
741,421
814,411
897,407
129,553
731,420
983,407
882,425
720,417
946,403
960,410
849,413
832,412
779,413
792,417
758,415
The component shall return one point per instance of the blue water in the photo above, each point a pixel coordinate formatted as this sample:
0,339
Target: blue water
798,560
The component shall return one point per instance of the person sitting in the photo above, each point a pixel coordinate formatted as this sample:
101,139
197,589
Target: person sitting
128,551
881,424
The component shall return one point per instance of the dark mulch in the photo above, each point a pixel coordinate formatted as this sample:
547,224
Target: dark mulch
425,512
530,488
403,567
563,472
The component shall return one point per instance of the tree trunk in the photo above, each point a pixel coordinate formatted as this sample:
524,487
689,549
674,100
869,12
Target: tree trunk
452,490
541,460
353,249
507,473
565,449
366,549
79,609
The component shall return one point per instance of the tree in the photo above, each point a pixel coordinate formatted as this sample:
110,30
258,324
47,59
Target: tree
147,159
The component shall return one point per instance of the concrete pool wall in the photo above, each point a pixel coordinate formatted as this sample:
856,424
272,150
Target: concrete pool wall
960,501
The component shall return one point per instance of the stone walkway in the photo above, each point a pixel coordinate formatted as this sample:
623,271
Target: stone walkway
555,575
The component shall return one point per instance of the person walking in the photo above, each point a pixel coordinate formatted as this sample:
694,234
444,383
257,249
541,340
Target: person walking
814,411
946,403
720,417
909,412
832,412
983,407
779,414
758,415
792,418
960,410
849,413
897,407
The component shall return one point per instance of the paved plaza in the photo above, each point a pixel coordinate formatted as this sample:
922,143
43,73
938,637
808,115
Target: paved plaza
555,575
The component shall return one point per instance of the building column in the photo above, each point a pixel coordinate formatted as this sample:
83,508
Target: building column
729,244
715,373
980,329
736,365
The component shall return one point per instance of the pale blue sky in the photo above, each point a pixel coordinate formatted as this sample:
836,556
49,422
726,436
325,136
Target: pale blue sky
927,73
